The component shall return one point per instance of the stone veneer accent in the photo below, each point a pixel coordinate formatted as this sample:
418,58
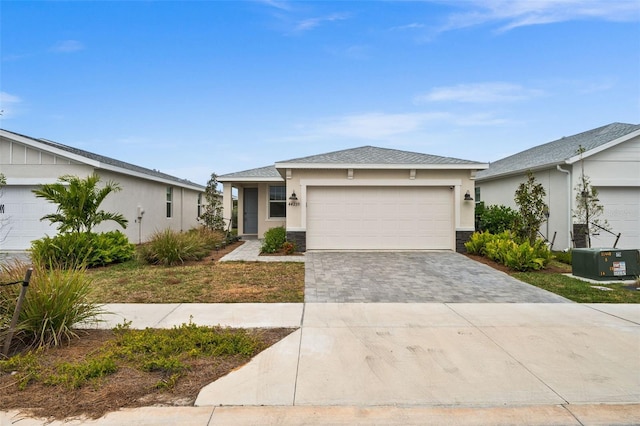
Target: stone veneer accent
461,238
299,238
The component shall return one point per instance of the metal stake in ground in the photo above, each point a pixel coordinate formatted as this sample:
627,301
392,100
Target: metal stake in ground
16,312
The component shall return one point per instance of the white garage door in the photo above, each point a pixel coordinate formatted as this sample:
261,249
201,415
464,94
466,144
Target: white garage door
20,213
380,218
622,211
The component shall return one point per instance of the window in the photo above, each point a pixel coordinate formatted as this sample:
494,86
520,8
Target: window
277,201
199,205
169,201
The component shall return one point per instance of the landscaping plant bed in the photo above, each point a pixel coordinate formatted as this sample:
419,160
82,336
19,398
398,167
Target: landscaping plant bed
126,388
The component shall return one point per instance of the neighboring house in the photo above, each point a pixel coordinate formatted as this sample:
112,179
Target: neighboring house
361,198
611,161
149,200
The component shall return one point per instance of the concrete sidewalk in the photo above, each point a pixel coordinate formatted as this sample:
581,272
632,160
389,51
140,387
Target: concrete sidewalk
411,364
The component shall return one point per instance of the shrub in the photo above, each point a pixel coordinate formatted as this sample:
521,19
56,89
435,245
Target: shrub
78,250
497,218
169,247
56,301
506,249
563,256
289,247
274,238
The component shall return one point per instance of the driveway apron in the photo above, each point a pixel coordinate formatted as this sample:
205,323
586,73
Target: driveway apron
412,277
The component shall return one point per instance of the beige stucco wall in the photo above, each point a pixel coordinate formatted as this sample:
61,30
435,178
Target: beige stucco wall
264,222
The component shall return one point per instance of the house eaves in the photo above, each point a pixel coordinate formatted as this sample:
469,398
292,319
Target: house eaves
99,161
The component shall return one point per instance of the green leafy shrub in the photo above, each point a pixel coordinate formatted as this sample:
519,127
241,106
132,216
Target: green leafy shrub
497,218
477,242
563,256
170,247
85,249
274,238
506,249
56,301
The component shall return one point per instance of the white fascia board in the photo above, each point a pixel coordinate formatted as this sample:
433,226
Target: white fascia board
473,166
250,179
48,148
601,148
519,172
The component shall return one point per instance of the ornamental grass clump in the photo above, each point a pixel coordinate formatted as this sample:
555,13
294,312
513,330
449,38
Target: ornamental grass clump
169,247
56,301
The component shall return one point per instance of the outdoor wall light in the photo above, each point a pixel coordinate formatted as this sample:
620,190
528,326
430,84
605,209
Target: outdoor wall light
467,196
293,200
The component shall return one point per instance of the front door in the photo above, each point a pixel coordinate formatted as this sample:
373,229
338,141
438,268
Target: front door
250,213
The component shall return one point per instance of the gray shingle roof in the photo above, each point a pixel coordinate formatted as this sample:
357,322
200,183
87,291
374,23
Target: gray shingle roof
374,155
259,173
111,161
558,151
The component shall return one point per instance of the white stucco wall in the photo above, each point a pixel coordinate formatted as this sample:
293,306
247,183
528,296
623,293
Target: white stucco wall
27,167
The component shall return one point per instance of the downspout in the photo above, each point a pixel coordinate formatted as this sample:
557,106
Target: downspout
569,198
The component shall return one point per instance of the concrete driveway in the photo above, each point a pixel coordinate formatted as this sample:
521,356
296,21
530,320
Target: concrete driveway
412,277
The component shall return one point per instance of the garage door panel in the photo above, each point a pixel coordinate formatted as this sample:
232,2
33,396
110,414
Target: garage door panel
622,211
21,218
379,218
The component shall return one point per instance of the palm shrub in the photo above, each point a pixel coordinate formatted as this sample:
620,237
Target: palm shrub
169,247
84,249
56,301
274,238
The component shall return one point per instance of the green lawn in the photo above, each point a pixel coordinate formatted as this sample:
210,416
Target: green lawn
203,282
578,290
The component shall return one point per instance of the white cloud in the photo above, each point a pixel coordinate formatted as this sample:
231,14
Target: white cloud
411,26
510,14
7,104
282,5
490,92
67,46
384,126
311,23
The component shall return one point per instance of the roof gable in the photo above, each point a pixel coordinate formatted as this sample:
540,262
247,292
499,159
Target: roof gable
374,157
98,161
561,151
266,174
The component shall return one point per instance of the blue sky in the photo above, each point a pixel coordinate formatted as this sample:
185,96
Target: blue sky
196,87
